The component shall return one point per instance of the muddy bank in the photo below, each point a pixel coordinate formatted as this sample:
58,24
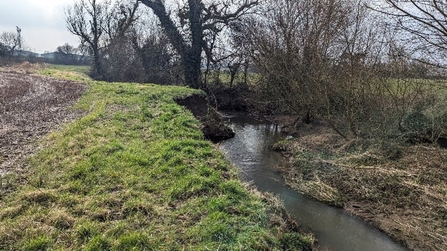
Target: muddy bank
214,127
30,107
397,187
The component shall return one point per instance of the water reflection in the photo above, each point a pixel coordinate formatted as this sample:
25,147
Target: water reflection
250,151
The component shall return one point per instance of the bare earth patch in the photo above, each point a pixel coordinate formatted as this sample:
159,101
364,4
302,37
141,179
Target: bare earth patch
30,107
399,188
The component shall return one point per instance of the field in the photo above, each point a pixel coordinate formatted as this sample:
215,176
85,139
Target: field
124,168
30,107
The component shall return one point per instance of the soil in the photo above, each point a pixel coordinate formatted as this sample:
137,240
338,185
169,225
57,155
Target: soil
30,107
399,188
214,128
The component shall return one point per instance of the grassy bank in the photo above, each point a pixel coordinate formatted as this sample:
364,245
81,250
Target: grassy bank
134,173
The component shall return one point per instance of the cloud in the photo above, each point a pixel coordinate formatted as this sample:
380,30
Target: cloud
42,22
33,13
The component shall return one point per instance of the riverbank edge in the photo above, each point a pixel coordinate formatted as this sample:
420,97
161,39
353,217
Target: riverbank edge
40,194
330,168
216,129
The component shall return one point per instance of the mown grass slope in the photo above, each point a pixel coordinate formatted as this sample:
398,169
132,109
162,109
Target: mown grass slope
135,174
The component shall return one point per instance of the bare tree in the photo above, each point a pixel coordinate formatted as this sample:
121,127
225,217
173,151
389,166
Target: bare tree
323,59
10,42
196,20
66,49
66,54
354,99
119,56
98,23
86,19
292,42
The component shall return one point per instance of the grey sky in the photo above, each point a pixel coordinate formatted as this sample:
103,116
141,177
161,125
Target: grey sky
42,22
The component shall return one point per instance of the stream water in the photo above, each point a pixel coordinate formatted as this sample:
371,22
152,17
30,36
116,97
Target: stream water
335,230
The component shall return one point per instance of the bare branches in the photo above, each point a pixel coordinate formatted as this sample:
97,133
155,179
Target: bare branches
425,20
223,13
86,20
92,20
9,43
121,19
174,35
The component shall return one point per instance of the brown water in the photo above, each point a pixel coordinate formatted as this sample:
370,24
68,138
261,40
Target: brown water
336,230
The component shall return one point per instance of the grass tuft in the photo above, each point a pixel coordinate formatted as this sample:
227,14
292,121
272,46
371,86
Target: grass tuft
37,244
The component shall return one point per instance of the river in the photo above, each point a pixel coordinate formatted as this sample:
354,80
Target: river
335,230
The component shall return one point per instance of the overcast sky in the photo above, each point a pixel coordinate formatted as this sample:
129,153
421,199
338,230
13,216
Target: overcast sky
42,22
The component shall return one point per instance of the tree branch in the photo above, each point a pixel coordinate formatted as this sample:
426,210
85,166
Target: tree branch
222,15
174,35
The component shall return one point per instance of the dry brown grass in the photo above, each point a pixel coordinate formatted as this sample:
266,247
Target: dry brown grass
401,189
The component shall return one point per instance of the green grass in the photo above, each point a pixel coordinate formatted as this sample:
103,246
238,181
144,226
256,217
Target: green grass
135,174
84,69
70,72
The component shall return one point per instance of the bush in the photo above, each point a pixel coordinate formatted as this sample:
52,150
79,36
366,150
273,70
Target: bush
417,122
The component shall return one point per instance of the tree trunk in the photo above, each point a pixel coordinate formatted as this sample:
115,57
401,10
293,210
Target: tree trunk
194,55
98,72
191,55
190,45
192,71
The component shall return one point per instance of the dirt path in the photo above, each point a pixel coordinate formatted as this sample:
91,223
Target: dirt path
30,107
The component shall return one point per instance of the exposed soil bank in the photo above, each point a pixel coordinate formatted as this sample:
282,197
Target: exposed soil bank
213,126
399,188
30,107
